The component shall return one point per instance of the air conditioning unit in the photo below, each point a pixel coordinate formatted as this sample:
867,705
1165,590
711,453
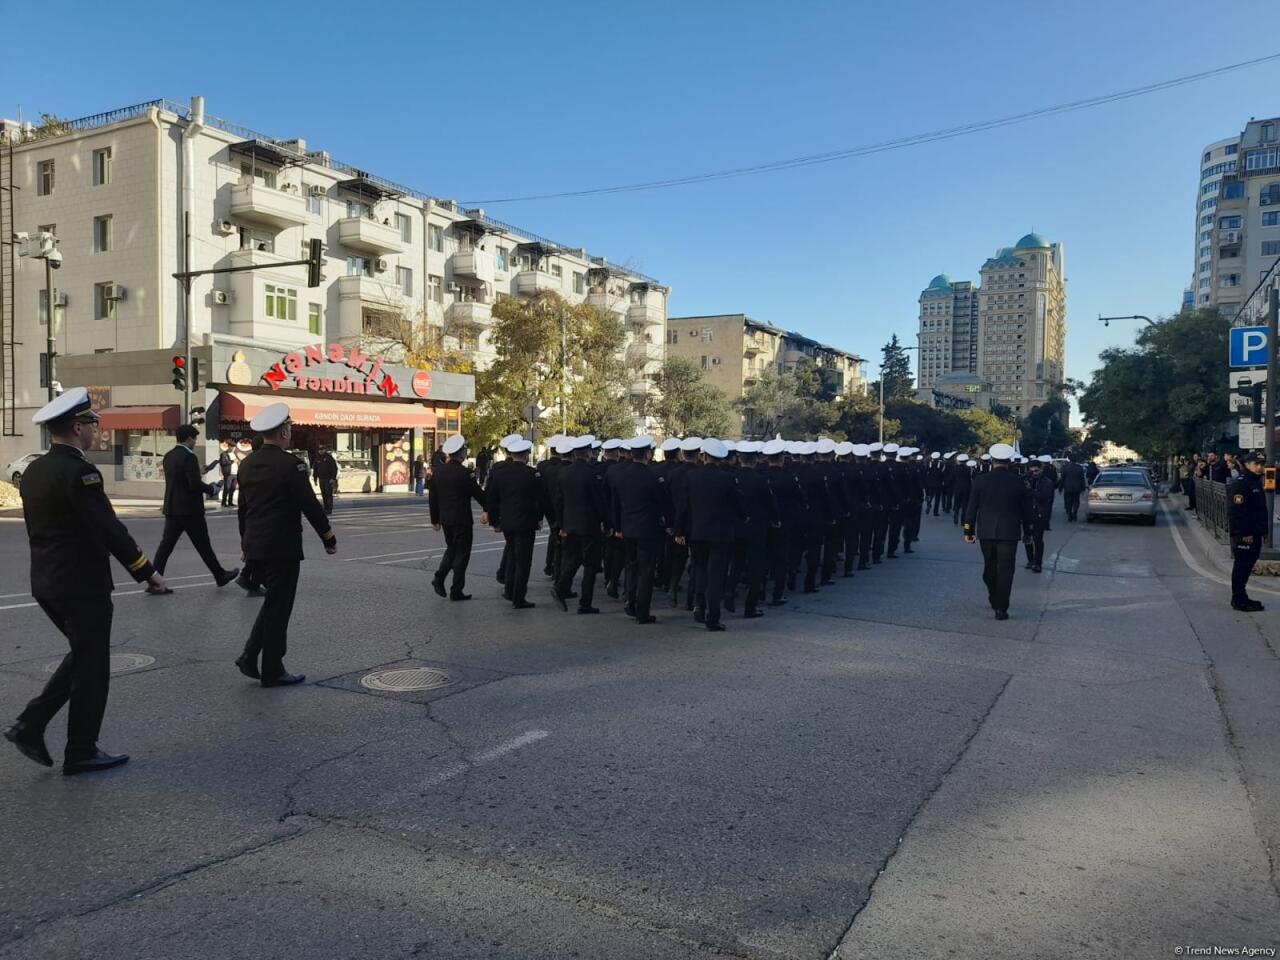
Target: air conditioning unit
225,227
715,361
220,297
1229,236
59,298
381,265
316,190
114,291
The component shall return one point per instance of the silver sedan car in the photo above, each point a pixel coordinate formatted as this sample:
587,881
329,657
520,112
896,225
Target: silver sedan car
1123,492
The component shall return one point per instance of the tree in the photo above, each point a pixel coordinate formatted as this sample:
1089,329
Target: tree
1044,429
769,403
686,404
49,127
1167,395
984,428
411,338
858,419
895,370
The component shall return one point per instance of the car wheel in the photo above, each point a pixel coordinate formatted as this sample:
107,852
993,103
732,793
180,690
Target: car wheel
17,478
1150,521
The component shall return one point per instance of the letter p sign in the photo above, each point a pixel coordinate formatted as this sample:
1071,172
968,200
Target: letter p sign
1249,346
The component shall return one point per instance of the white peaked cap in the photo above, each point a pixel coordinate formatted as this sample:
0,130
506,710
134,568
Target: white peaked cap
613,443
510,438
986,456
826,445
76,400
554,439
267,419
1045,458
519,446
961,457
596,444
669,444
875,447
906,451
792,447
729,445
936,455
453,444
690,444
861,450
715,448
643,442
1001,451
891,448
773,447
809,448
844,448
564,446
585,440
948,456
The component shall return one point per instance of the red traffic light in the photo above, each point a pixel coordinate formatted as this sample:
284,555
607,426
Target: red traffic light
179,362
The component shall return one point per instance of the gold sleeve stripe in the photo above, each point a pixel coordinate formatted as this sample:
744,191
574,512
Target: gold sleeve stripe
139,563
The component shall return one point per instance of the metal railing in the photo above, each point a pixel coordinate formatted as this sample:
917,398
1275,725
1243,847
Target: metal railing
1211,507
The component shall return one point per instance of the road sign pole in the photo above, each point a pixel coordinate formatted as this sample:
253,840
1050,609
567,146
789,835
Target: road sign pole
1268,420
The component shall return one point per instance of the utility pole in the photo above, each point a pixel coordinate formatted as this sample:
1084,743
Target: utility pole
52,347
186,317
1268,420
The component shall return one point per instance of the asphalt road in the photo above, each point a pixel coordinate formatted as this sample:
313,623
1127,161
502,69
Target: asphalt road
879,770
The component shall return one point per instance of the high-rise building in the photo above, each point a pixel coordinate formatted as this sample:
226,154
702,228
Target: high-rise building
948,336
1022,313
1237,215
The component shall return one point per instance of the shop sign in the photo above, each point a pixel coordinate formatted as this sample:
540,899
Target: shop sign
369,377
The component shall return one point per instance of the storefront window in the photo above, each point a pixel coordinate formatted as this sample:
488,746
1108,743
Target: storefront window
143,451
353,451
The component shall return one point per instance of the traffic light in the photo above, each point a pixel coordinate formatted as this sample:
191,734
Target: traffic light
179,380
197,416
195,374
313,264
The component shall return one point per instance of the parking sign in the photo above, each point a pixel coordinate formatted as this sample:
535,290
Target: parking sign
1249,346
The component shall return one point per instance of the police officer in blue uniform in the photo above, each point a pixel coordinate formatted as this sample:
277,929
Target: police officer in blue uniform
1248,525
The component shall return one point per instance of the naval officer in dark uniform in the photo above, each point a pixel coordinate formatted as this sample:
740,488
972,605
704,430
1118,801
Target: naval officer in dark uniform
516,503
641,514
73,530
275,494
1248,526
707,520
997,516
184,493
582,510
451,491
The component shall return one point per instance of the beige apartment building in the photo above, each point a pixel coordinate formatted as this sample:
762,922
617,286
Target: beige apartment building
948,337
734,351
117,189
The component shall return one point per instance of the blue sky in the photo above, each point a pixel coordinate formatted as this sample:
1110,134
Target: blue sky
476,101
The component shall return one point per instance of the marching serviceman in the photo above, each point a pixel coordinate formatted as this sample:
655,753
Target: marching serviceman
788,494
677,477
613,556
73,531
184,493
451,491
706,520
752,535
935,473
833,535
1248,525
961,484
895,484
670,457
559,447
485,481
582,510
862,493
913,486
274,496
516,504
641,514
818,518
997,516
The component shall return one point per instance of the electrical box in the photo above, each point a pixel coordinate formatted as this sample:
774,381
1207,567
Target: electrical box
1269,479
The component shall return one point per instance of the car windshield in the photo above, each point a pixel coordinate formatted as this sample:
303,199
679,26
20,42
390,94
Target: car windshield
1118,478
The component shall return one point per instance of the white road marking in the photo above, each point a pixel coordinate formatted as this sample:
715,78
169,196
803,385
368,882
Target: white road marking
439,552
457,769
401,553
1195,565
194,576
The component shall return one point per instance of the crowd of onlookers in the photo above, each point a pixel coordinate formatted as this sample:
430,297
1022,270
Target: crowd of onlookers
1184,471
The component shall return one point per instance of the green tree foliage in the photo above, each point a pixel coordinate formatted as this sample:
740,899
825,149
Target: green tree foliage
1167,395
1044,429
982,428
769,403
686,404
858,419
50,126
895,369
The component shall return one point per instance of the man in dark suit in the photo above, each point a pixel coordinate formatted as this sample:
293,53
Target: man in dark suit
184,493
226,461
641,515
677,477
961,483
450,493
516,504
275,495
1073,483
998,515
707,520
559,447
73,533
326,474
582,510
750,560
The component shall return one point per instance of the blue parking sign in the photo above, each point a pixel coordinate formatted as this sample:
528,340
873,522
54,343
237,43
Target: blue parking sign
1249,346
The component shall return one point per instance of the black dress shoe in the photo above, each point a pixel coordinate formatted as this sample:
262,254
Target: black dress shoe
30,742
778,602
248,667
629,610
438,587
730,603
1247,606
847,574
226,577
907,550
809,590
611,591
644,620
586,610
752,614
891,556
506,595
555,595
92,763
700,615
1002,614
827,583
459,596
877,560
523,604
715,627
1036,568
284,680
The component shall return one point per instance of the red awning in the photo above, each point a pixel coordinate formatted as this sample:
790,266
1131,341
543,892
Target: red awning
140,418
312,411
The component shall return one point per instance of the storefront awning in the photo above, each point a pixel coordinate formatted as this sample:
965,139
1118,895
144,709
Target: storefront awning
312,411
140,418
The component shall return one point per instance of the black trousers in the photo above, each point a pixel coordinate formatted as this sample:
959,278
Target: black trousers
933,500
1035,549
1071,503
228,489
196,527
327,488
579,550
911,523
457,554
894,532
779,558
999,557
957,507
551,567
807,552
1244,556
613,558
851,541
270,634
678,560
641,557
832,541
83,677
749,565
710,567
519,554
879,533
501,574
946,499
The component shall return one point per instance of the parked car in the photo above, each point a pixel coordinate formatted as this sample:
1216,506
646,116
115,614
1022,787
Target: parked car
13,472
1122,492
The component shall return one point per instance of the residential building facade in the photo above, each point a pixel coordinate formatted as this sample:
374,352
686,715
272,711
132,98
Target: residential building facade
734,352
948,337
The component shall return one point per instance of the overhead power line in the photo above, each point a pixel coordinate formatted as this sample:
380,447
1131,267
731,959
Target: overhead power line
899,143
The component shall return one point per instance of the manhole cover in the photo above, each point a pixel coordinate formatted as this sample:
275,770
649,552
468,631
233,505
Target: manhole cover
406,679
120,662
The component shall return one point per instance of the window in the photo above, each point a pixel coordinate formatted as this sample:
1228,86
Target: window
103,307
1268,132
1229,223
1232,148
263,240
1206,251
268,177
1209,204
1253,160
557,270
435,288
1207,155
359,267
1269,195
315,201
1229,280
404,280
313,318
673,336
1271,218
1271,248
101,234
102,167
355,208
44,178
282,302
579,282
405,226
435,237
704,361
1232,190
1206,220
500,256
1211,187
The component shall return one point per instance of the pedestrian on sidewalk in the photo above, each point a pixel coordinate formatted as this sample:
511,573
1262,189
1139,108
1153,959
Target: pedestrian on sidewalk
1248,525
1073,484
1041,487
997,516
227,464
184,491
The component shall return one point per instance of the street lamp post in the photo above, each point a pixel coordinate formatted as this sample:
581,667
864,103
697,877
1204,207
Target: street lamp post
1106,321
904,350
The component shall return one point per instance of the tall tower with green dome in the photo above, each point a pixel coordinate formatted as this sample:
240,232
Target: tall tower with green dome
948,334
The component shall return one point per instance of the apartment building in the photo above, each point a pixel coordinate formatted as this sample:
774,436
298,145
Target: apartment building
948,337
1237,216
141,193
735,351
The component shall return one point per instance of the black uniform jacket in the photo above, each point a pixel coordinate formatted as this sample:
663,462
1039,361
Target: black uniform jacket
326,467
580,504
274,495
515,498
641,502
550,471
962,483
1073,479
1043,490
184,490
759,502
788,494
814,484
450,493
712,505
73,529
857,487
999,507
1246,506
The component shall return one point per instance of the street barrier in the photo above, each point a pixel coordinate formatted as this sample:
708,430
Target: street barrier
1211,507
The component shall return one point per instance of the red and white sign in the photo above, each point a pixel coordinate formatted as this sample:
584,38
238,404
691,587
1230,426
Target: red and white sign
369,377
422,384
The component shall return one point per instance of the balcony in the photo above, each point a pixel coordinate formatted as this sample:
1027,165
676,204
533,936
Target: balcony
267,206
470,314
369,236
474,263
643,313
644,352
354,294
529,282
753,345
639,388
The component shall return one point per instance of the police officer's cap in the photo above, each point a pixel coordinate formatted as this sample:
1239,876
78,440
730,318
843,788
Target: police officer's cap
642,442
519,446
936,455
669,444
774,447
564,446
1001,451
454,444
269,418
875,447
691,444
73,403
844,448
613,443
715,448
